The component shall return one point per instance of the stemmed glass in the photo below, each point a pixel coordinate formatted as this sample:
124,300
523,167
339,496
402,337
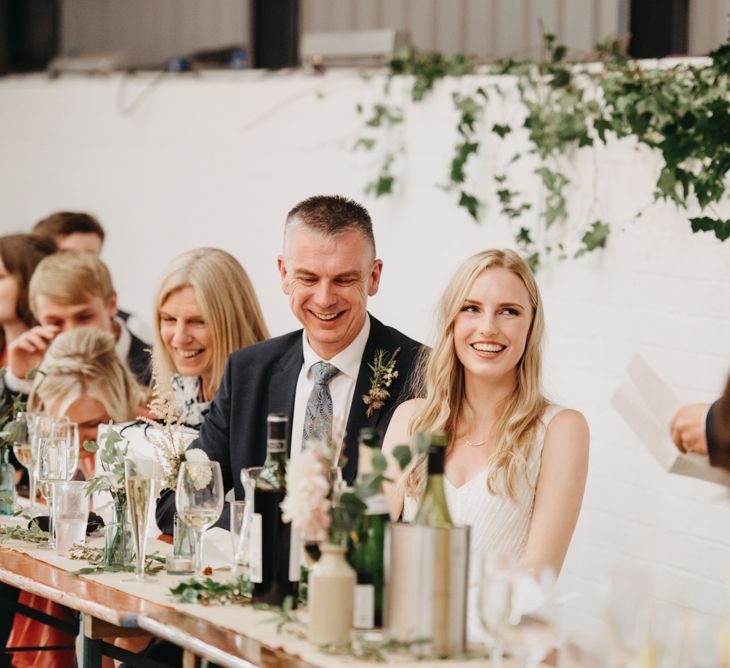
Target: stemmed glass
494,604
142,481
626,596
51,447
23,449
533,630
73,450
199,499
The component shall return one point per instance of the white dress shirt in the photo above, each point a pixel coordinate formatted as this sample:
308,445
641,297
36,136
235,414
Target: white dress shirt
342,386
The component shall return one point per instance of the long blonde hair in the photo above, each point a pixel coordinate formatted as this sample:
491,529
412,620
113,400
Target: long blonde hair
227,302
84,362
439,378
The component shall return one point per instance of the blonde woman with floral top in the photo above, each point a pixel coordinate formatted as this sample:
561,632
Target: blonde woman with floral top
205,309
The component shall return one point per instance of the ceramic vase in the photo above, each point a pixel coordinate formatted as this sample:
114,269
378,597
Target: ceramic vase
331,597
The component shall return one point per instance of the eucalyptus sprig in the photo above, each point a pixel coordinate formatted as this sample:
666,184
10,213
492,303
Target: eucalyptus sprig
112,453
376,650
212,592
30,534
154,562
285,617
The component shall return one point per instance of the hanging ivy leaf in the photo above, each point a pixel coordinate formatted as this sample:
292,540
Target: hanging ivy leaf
594,238
383,184
523,237
501,130
533,261
366,143
384,115
721,228
471,204
463,151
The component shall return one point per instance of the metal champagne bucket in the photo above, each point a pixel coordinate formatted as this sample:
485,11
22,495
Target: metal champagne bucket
426,580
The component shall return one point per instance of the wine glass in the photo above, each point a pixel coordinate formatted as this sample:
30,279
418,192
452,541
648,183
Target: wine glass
141,479
494,602
533,619
199,498
73,450
626,596
23,449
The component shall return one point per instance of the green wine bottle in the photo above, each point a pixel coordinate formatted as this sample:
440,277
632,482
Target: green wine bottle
433,511
278,553
367,551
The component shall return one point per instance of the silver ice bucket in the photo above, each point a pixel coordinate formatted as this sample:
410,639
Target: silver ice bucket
426,580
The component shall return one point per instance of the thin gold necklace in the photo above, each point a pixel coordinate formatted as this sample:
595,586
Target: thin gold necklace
475,445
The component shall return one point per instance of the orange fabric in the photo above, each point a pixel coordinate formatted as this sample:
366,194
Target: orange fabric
27,632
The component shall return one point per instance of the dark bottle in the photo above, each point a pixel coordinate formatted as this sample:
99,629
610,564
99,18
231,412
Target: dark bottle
278,575
367,550
433,511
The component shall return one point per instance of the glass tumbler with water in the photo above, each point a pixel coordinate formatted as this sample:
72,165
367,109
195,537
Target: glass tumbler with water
71,509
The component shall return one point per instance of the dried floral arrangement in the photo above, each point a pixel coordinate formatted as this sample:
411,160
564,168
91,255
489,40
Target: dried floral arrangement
170,437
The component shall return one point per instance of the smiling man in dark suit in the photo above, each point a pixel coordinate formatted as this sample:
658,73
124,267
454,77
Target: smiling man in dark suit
321,376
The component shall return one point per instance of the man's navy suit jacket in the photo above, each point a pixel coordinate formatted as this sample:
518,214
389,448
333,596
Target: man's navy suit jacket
262,379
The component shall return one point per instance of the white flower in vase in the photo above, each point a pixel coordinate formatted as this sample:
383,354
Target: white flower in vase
307,505
200,473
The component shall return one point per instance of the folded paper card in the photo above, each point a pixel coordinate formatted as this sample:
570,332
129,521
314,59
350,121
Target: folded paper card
648,405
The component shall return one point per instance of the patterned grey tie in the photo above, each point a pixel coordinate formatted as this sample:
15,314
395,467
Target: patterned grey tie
318,414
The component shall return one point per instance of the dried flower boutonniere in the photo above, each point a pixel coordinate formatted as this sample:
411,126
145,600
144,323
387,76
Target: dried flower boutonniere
384,373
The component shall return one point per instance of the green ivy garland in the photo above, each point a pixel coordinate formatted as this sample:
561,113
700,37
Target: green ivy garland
683,112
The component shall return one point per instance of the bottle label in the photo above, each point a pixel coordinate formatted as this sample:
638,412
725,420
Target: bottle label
363,616
255,560
296,551
275,446
365,460
376,505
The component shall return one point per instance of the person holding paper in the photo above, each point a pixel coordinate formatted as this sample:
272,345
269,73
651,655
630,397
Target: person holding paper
705,429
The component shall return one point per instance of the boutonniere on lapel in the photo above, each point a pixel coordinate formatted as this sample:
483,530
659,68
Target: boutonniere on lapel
384,373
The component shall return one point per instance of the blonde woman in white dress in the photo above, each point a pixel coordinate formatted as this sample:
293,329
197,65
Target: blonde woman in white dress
516,464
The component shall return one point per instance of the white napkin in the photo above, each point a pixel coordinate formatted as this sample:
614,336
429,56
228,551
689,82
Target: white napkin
217,548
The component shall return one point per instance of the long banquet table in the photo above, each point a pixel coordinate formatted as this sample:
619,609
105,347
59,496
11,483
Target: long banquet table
231,635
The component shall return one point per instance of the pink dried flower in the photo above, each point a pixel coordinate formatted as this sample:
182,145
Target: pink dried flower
306,504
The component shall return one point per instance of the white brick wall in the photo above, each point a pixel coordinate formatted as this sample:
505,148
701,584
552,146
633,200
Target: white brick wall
217,160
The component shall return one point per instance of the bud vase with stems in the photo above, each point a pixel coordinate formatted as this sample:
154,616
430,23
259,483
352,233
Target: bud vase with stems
7,483
118,547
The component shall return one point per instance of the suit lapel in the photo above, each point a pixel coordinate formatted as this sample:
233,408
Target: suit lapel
283,384
358,417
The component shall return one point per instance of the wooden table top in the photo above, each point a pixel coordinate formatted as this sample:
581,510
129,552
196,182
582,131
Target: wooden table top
200,636
93,598
216,644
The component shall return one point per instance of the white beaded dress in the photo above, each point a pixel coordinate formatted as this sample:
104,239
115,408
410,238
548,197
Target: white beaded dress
497,523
